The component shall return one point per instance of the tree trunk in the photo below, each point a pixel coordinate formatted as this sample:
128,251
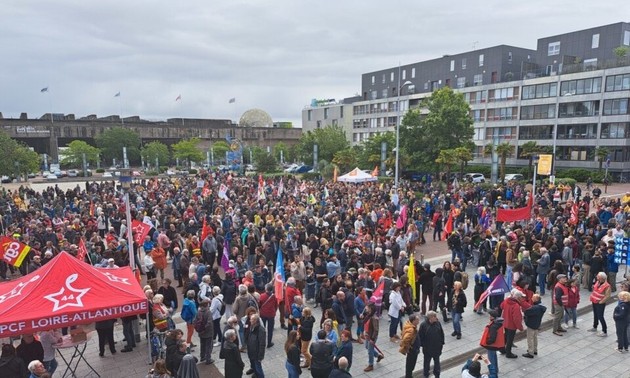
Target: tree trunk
601,162
529,168
502,174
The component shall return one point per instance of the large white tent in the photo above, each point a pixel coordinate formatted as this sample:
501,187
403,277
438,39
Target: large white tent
357,175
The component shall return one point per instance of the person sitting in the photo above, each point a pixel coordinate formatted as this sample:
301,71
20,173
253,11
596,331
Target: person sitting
472,368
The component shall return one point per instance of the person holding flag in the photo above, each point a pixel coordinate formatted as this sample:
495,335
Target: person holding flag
371,326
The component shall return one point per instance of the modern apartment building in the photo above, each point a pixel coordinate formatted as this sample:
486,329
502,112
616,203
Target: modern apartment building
572,93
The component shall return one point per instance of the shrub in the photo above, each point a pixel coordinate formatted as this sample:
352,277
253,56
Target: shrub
150,173
193,171
578,174
100,170
315,176
485,169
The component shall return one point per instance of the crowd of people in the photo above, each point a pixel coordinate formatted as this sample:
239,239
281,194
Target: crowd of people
346,257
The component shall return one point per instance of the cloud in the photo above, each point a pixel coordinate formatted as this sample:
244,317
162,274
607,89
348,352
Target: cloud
274,55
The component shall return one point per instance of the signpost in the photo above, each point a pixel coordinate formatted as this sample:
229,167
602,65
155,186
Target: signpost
622,245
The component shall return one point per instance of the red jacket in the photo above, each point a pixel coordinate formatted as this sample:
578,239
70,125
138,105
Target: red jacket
289,295
268,305
574,297
512,315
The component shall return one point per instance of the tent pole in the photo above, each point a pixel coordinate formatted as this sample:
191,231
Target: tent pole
149,336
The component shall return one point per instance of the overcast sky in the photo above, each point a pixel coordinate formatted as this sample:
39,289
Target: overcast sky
275,55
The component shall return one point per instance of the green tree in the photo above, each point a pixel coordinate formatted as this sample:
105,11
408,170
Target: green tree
265,162
601,153
112,141
447,158
345,159
73,155
24,160
529,150
504,150
447,125
280,146
621,52
154,150
219,149
369,152
329,139
463,155
187,150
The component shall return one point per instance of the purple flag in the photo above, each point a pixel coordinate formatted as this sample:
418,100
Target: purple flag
225,259
497,287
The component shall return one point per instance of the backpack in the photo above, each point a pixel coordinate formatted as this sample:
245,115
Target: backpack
464,280
200,323
251,302
222,310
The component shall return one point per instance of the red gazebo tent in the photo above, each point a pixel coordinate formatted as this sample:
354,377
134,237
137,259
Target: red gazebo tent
67,292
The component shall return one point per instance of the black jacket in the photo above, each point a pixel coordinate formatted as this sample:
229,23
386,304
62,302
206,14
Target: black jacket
337,373
293,357
256,343
233,361
432,336
533,316
322,354
345,350
13,367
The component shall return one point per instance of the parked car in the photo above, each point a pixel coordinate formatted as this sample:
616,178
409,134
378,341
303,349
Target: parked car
171,172
32,175
107,175
513,176
303,169
73,173
475,177
5,179
291,168
51,177
136,173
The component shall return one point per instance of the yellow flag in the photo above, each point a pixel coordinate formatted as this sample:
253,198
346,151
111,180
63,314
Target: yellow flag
411,274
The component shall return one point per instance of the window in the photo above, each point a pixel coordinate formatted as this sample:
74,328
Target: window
580,153
578,109
310,115
500,132
539,91
404,74
411,88
391,77
615,130
325,113
509,57
319,124
452,65
573,87
595,41
383,81
535,132
616,106
502,94
481,60
413,73
590,64
478,79
502,114
463,63
426,86
538,111
478,115
617,83
355,137
374,95
341,112
335,122
579,131
626,37
553,48
373,78
384,93
461,82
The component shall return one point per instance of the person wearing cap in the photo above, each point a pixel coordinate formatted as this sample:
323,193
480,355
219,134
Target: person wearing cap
513,318
493,337
560,302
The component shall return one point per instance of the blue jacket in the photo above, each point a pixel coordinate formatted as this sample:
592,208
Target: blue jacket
612,266
189,311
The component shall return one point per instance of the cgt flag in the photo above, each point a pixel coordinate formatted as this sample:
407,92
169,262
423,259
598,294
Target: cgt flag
81,250
497,287
141,231
12,251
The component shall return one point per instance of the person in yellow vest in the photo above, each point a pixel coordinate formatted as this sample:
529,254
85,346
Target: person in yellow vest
560,301
599,296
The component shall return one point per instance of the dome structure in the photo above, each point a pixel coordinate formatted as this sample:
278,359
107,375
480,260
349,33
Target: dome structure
255,118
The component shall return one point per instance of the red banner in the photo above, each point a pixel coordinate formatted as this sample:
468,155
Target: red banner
512,215
12,251
141,230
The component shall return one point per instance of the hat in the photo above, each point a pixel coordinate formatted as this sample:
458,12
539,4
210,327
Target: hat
493,313
559,276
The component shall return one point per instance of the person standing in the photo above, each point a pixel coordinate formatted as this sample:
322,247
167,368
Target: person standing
432,336
371,326
48,338
513,318
268,309
105,330
229,352
493,337
396,308
306,334
544,265
12,366
322,356
256,342
205,329
621,315
345,349
599,296
188,314
215,311
128,333
410,344
292,351
533,317
560,302
459,303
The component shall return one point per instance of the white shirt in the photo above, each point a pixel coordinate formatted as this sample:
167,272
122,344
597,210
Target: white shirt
396,303
48,338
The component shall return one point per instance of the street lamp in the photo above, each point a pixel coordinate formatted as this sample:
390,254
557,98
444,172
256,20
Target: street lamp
125,183
398,126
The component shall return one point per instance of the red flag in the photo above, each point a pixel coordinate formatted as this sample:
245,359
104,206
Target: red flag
82,250
497,287
12,251
402,218
448,227
574,214
511,215
141,230
206,230
377,295
206,192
